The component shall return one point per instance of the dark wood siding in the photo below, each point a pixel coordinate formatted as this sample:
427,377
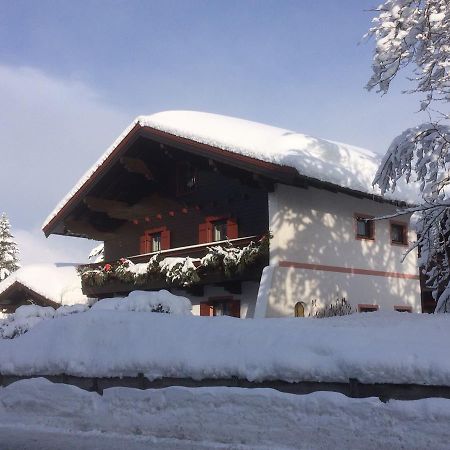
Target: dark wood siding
216,195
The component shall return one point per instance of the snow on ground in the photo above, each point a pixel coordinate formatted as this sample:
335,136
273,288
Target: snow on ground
341,164
372,347
28,316
64,416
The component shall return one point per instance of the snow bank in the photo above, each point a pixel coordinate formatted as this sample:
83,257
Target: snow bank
28,316
337,163
147,301
27,311
372,347
58,283
229,417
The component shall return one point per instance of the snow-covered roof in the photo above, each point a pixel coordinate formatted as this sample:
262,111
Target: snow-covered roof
341,164
59,283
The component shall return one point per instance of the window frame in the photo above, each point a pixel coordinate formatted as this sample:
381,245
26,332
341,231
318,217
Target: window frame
371,223
180,190
403,308
233,304
299,309
145,240
367,307
404,226
206,227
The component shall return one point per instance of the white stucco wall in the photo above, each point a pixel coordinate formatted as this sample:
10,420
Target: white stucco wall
313,228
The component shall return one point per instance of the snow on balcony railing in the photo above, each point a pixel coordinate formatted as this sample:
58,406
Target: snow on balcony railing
228,257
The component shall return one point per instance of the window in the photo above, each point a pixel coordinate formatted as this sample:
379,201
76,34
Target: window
367,308
221,306
299,309
217,229
187,177
399,233
155,240
403,308
365,228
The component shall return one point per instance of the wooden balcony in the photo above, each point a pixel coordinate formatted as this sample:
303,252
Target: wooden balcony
194,251
115,287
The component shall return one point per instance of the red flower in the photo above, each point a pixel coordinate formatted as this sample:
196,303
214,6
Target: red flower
107,267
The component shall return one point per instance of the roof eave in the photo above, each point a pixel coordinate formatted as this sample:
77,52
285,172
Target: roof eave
282,174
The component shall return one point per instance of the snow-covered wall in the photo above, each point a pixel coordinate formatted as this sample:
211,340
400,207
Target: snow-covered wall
317,256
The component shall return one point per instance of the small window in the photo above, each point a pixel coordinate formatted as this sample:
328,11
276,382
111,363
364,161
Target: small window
403,308
187,178
299,309
155,240
399,233
221,306
365,228
219,230
367,308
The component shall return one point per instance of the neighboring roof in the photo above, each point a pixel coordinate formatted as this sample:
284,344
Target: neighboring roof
60,284
340,164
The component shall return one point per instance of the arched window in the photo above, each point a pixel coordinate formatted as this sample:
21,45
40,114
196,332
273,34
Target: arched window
299,309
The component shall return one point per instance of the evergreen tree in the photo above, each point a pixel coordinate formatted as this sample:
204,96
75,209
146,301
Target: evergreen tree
9,261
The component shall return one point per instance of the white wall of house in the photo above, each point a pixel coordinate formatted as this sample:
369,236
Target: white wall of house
316,256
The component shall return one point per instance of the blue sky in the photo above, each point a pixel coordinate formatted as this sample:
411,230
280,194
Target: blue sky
74,74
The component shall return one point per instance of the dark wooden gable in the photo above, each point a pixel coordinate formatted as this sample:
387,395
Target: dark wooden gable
141,190
18,294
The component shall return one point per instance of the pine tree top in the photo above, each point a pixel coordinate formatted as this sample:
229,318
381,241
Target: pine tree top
9,261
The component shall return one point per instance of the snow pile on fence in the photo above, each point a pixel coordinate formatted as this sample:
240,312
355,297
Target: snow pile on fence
147,301
217,417
372,347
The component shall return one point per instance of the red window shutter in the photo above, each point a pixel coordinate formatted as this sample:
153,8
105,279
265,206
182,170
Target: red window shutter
144,244
203,233
232,229
235,308
205,309
165,240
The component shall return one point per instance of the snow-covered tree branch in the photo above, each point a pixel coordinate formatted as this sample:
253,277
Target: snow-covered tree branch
416,33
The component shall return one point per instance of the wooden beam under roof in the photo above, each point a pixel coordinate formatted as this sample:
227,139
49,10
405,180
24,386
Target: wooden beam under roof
85,229
136,165
149,206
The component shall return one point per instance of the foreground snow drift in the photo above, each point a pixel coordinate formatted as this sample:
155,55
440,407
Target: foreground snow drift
28,316
226,417
372,347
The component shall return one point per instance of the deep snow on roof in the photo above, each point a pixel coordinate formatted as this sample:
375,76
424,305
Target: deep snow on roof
60,284
341,164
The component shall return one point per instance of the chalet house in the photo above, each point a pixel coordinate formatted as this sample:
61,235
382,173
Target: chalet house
245,219
41,284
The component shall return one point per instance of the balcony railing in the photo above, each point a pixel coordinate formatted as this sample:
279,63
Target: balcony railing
212,262
194,251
